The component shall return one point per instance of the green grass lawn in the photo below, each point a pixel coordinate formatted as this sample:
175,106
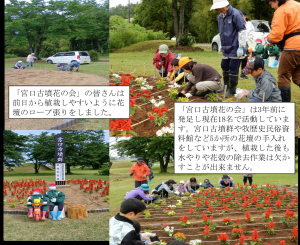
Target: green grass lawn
121,182
132,59
21,228
98,68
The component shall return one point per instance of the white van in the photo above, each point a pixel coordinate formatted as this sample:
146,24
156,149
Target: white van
66,57
261,31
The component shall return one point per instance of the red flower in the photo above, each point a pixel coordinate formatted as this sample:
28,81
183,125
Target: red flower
255,236
191,211
206,232
164,109
151,118
205,218
242,239
282,242
160,114
184,219
223,237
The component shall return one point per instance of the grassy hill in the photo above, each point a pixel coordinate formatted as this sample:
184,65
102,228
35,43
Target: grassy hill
30,167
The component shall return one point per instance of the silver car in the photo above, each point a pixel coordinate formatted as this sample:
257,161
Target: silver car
261,31
67,57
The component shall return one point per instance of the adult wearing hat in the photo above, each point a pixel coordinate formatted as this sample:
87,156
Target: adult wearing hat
233,37
203,78
56,198
162,61
225,181
166,187
19,65
30,59
75,65
140,171
141,193
285,26
37,196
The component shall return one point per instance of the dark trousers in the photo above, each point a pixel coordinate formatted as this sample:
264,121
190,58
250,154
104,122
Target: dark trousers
163,192
139,183
231,65
195,187
244,63
245,180
266,56
60,206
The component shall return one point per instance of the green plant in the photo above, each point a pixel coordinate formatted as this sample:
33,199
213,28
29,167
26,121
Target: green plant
94,55
211,97
161,83
104,170
7,56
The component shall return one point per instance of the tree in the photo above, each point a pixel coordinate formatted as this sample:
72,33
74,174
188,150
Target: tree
41,149
122,11
13,147
149,148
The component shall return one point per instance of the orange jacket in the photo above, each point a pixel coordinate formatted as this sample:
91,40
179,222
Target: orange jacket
285,21
139,171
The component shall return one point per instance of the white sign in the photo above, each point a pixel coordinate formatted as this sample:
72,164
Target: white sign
60,172
234,138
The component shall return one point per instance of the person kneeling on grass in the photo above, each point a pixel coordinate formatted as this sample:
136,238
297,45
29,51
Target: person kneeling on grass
265,83
178,75
121,227
75,65
62,67
203,78
162,61
19,65
192,185
37,196
164,188
140,193
225,181
57,198
207,184
181,188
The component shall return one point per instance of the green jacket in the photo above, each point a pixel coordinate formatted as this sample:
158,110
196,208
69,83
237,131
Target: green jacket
60,197
273,51
259,50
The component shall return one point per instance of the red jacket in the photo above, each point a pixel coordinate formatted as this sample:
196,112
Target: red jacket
168,61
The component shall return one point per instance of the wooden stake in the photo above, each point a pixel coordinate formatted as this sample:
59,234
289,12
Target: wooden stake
225,88
263,100
162,71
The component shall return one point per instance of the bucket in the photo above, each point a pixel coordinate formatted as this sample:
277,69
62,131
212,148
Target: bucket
271,61
62,215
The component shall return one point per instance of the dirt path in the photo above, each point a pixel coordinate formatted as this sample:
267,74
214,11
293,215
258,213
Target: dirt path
43,77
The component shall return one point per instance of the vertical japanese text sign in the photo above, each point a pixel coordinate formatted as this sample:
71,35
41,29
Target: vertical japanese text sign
60,159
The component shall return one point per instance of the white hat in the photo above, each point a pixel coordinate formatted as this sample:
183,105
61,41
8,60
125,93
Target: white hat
217,4
181,182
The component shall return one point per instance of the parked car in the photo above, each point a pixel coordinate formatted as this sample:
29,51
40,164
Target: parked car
66,57
261,31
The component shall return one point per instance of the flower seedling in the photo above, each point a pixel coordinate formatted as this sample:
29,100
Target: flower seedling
242,240
192,212
249,219
255,238
223,238
169,230
237,224
237,232
226,221
212,226
205,220
288,218
171,213
156,206
147,214
179,236
294,237
184,221
163,225
182,99
270,228
206,232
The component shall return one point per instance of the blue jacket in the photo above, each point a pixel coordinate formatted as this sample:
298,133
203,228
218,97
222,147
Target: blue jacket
229,27
76,63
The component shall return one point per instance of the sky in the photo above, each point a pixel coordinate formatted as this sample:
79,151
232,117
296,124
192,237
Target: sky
114,3
27,132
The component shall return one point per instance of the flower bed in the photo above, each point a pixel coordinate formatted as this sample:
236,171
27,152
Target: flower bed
141,123
212,220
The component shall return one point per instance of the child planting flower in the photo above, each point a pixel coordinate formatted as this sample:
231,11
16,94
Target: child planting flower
184,221
223,238
206,232
255,239
179,236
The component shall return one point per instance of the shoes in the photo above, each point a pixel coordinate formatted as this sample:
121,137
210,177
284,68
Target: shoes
266,61
226,80
52,214
58,214
243,76
30,213
233,82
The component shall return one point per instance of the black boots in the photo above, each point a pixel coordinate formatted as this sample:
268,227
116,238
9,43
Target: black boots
226,81
285,94
233,82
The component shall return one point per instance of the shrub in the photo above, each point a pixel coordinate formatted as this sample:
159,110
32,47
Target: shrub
7,56
104,170
94,55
